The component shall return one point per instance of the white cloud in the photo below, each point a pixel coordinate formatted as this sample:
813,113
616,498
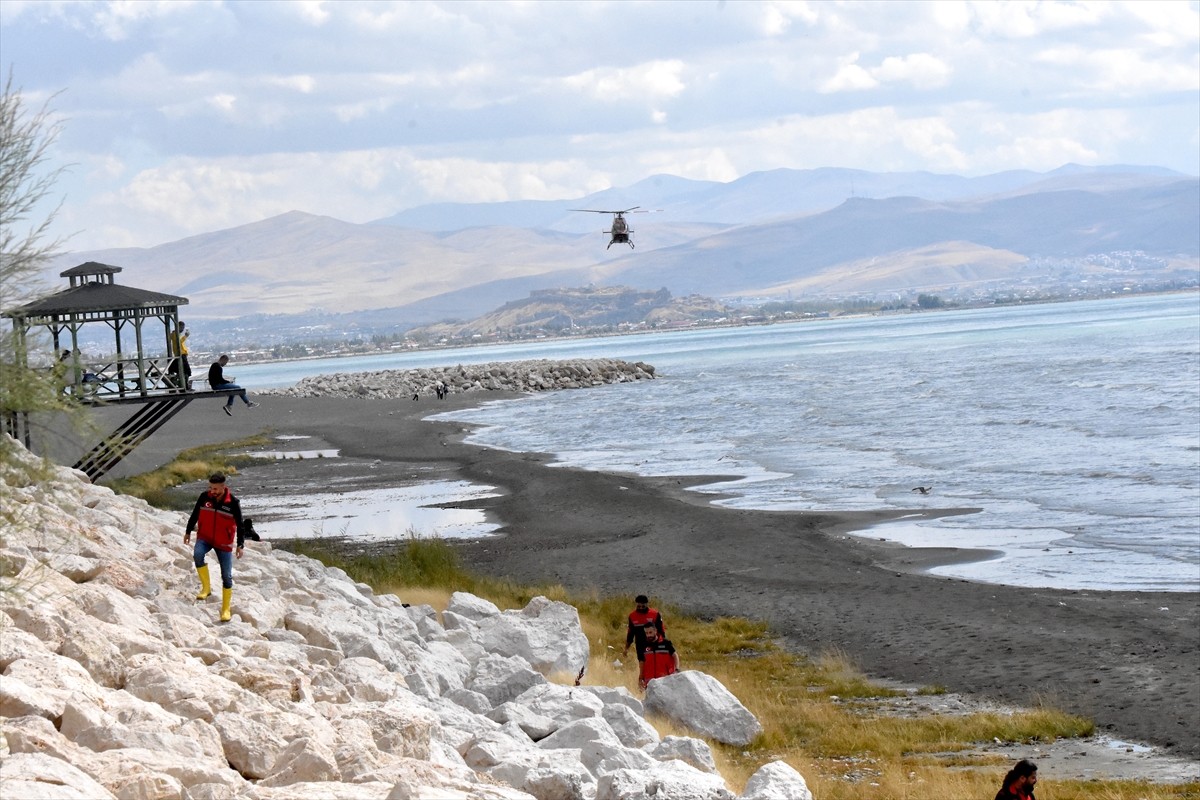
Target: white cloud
1026,19
919,69
304,84
656,79
118,19
850,77
1123,70
313,12
777,16
190,116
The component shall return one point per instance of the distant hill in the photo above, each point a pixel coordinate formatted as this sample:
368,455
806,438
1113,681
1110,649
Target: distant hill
594,308
805,232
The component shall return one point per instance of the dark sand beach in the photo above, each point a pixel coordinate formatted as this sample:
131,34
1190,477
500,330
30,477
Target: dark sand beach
1128,660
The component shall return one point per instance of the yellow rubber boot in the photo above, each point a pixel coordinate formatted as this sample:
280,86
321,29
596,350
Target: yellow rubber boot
226,596
205,586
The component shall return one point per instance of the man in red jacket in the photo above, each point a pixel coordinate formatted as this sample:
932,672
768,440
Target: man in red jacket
217,520
641,616
659,658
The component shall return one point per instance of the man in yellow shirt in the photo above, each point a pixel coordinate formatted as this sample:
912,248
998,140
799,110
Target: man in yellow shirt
180,349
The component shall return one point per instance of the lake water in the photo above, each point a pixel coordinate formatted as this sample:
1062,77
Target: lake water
1074,427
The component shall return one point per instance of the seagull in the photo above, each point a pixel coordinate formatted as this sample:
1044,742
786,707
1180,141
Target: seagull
923,489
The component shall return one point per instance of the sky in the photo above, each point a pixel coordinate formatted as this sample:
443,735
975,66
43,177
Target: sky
178,118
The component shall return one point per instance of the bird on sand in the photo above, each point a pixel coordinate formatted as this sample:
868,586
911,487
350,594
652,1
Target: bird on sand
923,489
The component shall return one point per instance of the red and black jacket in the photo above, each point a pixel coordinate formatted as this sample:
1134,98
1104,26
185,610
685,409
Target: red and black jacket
639,620
658,660
217,521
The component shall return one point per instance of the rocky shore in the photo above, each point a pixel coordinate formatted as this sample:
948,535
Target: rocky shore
119,685
513,376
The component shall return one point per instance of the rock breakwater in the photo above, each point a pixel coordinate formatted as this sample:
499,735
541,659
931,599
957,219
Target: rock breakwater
515,376
118,685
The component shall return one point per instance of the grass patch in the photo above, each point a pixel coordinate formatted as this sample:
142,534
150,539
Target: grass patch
189,466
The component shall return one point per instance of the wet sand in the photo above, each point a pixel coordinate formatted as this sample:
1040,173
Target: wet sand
1128,660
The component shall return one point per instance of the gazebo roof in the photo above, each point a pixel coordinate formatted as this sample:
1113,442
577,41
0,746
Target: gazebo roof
93,297
89,268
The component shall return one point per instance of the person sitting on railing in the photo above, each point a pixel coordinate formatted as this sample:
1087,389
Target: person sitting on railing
219,381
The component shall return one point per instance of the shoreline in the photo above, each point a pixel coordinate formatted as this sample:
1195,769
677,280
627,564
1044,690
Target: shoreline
1126,660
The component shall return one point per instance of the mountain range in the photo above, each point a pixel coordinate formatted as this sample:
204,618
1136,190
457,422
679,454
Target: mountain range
783,233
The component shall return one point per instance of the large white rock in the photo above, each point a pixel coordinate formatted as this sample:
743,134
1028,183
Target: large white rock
251,747
699,702
563,704
18,699
776,781
470,700
16,643
400,727
545,633
471,607
617,695
559,779
673,779
94,650
305,760
686,749
631,729
576,734
500,678
37,776
535,725
37,735
368,680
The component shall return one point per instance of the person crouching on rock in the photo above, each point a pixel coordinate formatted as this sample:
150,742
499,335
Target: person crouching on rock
217,520
658,657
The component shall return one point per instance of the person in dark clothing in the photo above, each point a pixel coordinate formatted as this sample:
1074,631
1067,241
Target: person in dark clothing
217,520
217,379
1019,782
641,616
658,657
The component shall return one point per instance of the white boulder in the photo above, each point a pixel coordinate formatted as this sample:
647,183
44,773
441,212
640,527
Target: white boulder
545,633
699,702
776,781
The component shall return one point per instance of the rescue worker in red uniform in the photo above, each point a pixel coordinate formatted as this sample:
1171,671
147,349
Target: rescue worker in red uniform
1019,782
658,657
217,520
641,616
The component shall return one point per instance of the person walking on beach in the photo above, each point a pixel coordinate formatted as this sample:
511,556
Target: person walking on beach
179,349
641,616
1019,782
217,520
658,657
217,379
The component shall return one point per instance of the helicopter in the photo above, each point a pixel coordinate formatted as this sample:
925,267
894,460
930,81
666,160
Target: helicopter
620,227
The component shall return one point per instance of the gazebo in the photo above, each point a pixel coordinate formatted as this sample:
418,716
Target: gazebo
138,319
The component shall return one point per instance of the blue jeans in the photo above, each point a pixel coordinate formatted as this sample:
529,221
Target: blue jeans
229,402
224,557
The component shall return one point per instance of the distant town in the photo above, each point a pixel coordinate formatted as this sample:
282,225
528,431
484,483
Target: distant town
274,339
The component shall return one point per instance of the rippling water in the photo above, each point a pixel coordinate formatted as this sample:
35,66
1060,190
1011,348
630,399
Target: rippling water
1075,427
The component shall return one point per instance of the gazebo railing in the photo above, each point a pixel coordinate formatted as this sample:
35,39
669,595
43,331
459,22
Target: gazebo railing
122,377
